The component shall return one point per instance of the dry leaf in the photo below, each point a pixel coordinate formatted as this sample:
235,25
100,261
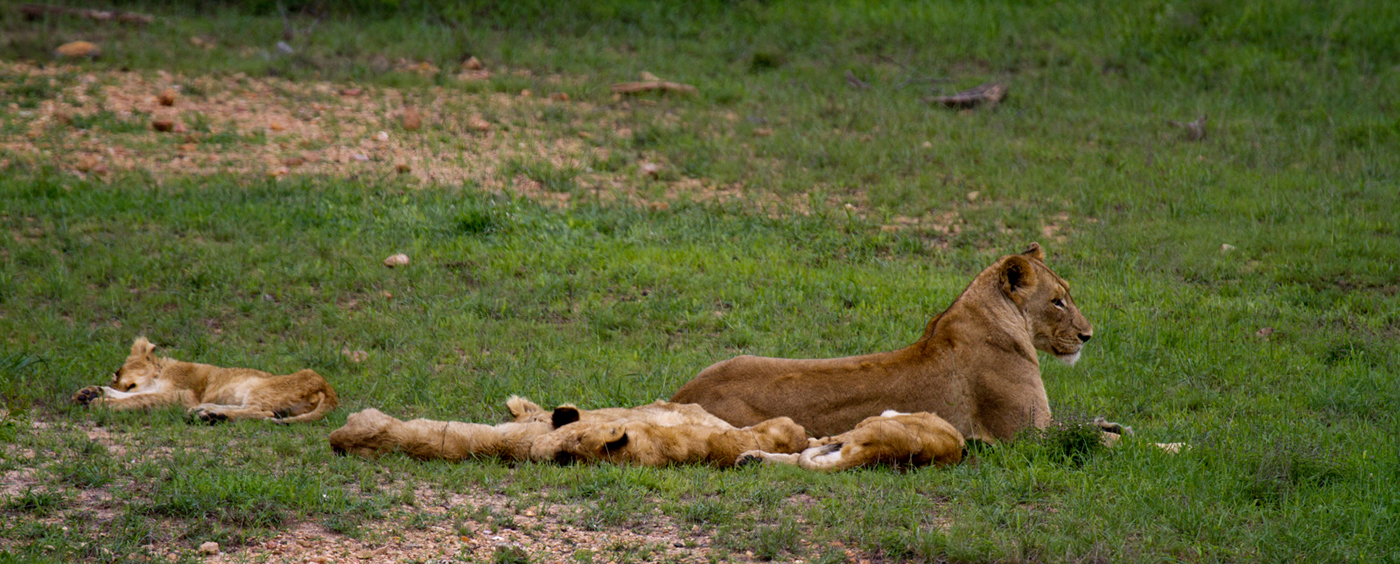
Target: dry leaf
972,196
763,132
412,120
396,260
1226,247
277,126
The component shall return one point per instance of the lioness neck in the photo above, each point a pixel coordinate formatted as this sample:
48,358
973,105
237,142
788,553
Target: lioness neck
185,375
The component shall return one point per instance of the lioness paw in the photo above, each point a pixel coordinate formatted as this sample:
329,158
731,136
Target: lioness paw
1111,427
87,395
210,417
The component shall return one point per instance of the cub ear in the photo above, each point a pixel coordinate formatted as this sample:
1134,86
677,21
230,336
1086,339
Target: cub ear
142,347
1016,274
1034,251
617,443
521,408
564,415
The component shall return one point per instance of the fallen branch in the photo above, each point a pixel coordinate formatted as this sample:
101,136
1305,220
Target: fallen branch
990,94
650,85
36,11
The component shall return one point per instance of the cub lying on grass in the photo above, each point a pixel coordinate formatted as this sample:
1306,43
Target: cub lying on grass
211,393
893,438
656,434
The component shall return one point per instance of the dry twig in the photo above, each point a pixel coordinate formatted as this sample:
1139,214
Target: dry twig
989,94
650,85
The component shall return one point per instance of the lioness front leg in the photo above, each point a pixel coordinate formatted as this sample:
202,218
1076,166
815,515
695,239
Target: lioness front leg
758,456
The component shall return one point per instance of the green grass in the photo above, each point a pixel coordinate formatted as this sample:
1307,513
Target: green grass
1292,452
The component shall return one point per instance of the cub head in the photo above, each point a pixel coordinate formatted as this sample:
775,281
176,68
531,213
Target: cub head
140,369
1056,324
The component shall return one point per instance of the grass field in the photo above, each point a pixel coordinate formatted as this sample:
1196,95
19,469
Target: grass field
854,224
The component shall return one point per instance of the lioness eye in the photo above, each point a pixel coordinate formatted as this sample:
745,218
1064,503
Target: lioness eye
1058,303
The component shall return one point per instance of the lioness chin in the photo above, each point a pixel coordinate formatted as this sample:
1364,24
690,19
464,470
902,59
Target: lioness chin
976,364
211,393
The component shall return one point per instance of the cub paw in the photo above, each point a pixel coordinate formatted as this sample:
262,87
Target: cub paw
210,417
86,395
748,459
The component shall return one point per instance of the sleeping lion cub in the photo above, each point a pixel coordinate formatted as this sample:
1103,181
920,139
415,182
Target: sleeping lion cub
656,434
209,392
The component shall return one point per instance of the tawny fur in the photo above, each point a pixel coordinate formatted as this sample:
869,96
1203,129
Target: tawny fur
975,365
210,392
656,434
892,438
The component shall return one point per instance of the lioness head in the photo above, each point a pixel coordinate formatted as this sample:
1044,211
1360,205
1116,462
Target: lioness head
1057,326
140,369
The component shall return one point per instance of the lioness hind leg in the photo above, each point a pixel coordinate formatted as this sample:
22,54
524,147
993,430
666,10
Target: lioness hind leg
215,413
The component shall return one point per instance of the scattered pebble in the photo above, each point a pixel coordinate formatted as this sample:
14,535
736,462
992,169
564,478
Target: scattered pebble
526,93
973,195
650,170
382,136
167,97
163,125
351,92
209,548
559,97
403,168
477,123
360,157
78,49
1226,247
472,64
396,260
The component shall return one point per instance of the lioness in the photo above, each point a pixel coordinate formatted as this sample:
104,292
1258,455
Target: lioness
211,393
894,438
656,434
975,365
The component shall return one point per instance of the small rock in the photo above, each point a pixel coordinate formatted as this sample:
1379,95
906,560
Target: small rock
285,48
78,49
277,126
86,163
167,97
477,123
163,125
209,548
928,144
360,157
650,170
412,120
351,92
526,93
559,97
973,195
396,260
1226,247
381,136
403,168
472,64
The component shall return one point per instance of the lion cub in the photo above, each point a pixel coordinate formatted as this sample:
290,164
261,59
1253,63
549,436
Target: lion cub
894,438
209,392
656,434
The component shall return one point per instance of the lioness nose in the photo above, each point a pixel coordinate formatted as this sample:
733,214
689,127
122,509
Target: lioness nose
1084,337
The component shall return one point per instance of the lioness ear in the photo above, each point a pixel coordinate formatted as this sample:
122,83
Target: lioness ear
564,415
142,347
521,408
618,443
1016,273
1034,251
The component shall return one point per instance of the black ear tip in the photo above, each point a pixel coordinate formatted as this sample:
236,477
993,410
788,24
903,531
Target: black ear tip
564,415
